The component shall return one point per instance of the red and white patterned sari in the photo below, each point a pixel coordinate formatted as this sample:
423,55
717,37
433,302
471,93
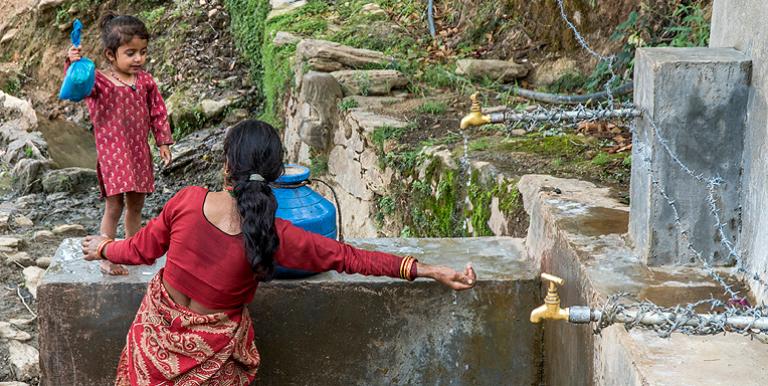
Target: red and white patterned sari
169,344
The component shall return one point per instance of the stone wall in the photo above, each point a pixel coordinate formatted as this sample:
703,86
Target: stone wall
321,127
741,24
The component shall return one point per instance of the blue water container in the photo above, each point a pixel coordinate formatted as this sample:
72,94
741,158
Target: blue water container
304,207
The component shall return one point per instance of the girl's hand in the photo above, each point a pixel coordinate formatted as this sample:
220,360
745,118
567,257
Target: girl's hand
165,154
447,276
90,247
73,54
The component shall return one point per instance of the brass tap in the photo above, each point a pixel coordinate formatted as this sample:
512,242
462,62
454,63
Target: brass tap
550,310
475,116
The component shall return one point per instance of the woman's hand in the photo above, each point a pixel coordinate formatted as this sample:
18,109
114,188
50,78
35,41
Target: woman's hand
165,154
74,54
449,277
91,246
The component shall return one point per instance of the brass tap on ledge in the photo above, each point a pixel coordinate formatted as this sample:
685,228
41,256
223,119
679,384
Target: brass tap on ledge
550,310
475,116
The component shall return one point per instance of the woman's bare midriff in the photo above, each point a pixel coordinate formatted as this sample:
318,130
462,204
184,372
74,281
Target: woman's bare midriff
186,301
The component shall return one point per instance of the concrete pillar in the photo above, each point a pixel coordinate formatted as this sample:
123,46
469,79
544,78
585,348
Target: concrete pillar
741,24
697,98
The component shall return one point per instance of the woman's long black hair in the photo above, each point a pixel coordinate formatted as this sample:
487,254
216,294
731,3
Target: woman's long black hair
254,147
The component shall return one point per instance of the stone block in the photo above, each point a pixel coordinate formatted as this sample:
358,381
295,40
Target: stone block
370,82
340,56
331,329
494,70
70,180
694,106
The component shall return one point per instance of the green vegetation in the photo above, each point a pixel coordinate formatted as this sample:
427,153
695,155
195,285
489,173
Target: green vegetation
318,165
432,107
347,104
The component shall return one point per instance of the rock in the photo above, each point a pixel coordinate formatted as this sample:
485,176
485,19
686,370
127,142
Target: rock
549,72
28,118
14,383
69,180
42,236
10,244
236,115
325,53
518,132
369,82
46,4
19,258
22,221
495,70
21,322
212,108
27,200
27,147
27,175
373,9
70,230
5,220
282,7
442,153
316,114
8,331
8,36
213,12
32,278
43,262
24,359
284,38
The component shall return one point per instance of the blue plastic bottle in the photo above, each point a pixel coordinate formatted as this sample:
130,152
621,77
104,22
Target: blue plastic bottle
304,207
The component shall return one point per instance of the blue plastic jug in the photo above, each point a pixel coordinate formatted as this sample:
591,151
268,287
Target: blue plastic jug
304,207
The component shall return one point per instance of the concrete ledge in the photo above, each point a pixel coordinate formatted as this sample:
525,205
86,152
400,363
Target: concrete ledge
579,235
331,329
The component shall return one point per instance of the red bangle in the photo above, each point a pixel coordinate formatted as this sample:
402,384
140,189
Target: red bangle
414,272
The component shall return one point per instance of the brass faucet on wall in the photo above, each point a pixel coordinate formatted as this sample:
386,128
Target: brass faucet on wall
475,116
550,310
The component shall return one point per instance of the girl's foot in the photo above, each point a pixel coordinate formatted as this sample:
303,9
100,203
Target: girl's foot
109,268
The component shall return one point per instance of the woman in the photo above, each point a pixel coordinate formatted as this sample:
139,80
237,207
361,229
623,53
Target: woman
193,325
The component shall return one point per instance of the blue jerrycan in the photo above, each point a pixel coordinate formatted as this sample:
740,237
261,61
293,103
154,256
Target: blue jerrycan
305,208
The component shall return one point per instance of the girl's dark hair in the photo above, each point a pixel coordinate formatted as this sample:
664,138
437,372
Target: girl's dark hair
254,147
117,30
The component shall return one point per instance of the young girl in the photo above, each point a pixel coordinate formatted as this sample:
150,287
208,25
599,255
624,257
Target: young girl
193,326
124,105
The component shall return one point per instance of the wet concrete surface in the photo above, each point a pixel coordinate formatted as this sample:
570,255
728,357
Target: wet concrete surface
596,261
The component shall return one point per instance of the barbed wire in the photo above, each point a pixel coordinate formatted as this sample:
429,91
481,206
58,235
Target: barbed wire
610,60
722,317
568,117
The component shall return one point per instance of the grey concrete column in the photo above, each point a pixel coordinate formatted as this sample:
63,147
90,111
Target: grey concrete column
697,98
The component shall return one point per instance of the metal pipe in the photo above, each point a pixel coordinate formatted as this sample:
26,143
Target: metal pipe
583,315
575,115
569,99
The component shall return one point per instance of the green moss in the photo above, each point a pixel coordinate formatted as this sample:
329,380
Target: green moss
480,198
568,146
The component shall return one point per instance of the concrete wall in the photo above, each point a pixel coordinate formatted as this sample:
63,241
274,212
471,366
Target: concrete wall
741,24
329,330
694,104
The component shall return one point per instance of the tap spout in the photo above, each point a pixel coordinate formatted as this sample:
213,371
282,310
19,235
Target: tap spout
475,116
550,310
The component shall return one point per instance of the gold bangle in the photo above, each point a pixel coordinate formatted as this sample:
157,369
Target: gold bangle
409,269
405,266
100,248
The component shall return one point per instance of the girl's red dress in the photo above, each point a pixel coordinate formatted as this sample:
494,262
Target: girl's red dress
122,117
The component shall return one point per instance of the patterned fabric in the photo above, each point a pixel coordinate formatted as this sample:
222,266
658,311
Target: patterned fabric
168,344
122,118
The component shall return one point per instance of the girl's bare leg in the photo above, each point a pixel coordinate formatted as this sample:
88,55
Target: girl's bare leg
112,211
134,202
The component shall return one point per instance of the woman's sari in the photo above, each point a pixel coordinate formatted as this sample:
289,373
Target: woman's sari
169,344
